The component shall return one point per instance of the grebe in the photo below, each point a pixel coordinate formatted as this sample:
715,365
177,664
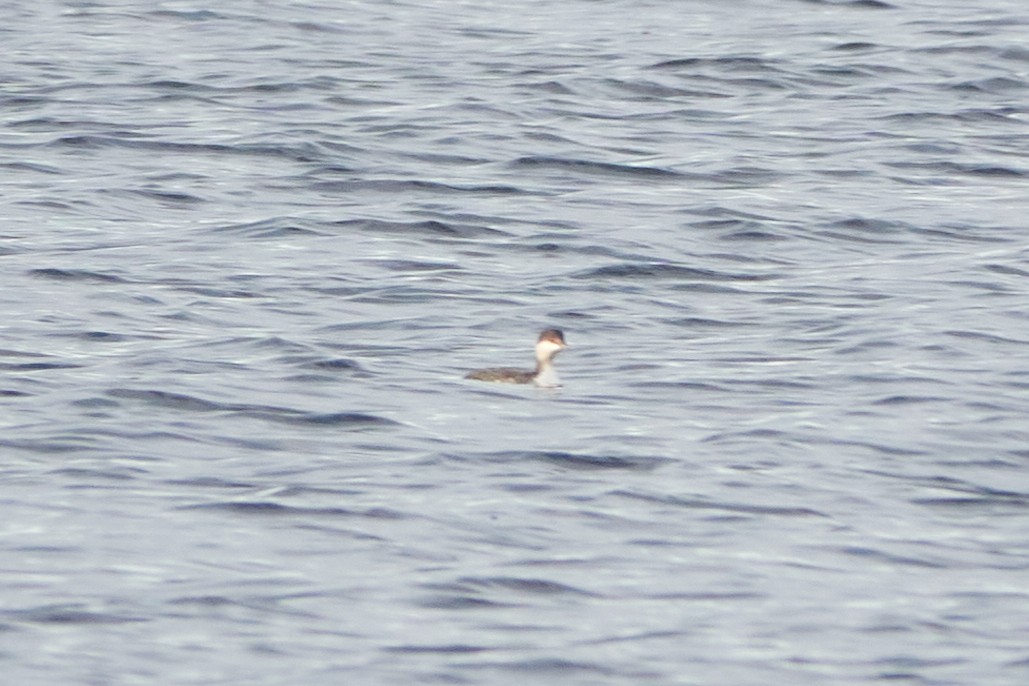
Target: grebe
550,343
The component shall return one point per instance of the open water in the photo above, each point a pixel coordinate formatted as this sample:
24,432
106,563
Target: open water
248,249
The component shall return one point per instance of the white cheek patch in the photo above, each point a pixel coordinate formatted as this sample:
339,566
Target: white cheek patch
548,348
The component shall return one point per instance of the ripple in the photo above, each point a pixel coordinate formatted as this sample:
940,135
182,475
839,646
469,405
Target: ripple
738,508
72,614
556,668
187,403
273,509
391,186
659,270
36,366
277,228
871,554
429,229
733,64
512,584
584,461
337,364
595,168
445,649
83,275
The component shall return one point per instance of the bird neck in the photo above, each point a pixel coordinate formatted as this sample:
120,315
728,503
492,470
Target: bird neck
546,376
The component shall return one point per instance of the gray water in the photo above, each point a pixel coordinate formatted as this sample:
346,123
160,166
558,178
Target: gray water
248,252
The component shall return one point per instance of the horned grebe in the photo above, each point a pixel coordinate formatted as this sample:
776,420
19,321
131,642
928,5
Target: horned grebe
550,343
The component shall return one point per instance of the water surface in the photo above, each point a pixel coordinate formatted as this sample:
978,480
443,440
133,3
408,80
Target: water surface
250,251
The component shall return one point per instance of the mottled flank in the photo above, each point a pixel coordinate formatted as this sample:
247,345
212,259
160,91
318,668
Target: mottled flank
502,375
